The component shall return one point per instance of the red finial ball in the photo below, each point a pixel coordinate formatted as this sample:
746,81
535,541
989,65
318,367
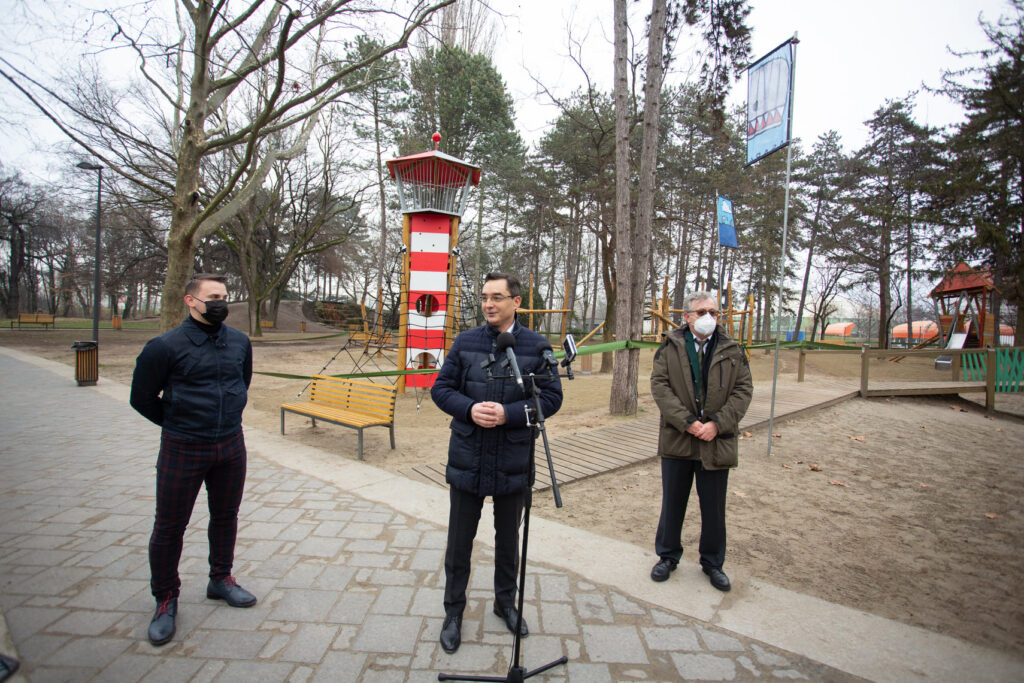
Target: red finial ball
436,137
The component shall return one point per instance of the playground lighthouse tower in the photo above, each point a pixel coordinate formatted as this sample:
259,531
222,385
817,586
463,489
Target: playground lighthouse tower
432,190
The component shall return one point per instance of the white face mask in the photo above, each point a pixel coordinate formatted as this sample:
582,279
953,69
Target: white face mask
705,325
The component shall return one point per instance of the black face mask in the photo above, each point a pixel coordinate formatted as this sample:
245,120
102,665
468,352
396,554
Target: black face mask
216,310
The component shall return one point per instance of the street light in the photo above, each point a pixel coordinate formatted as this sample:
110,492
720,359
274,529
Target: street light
88,166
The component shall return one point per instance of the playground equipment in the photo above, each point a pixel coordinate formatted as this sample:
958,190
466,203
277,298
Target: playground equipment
838,333
731,318
961,304
924,333
432,190
565,312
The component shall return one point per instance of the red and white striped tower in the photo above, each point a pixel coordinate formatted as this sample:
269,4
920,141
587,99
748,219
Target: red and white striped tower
432,190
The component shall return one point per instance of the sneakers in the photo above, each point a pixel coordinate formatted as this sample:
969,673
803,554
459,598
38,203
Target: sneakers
227,589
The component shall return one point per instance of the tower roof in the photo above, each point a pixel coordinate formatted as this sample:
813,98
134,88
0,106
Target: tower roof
963,278
433,168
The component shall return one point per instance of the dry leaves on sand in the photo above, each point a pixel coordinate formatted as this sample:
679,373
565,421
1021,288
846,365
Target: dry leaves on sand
959,409
856,438
836,482
991,515
814,468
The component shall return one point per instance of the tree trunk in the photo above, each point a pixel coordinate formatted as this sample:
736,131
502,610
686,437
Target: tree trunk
381,264
17,264
623,394
884,295
807,275
910,272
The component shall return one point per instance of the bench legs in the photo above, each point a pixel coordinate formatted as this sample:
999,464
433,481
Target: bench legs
391,432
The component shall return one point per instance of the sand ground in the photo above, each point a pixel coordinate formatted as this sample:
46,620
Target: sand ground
907,508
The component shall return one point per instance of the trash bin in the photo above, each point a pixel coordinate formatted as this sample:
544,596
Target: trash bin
115,322
302,326
87,362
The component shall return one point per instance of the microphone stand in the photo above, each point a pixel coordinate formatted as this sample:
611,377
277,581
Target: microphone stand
535,419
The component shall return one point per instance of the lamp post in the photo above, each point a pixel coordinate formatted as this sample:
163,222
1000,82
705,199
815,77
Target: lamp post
88,166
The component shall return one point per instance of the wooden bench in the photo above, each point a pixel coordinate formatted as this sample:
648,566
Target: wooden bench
371,338
267,323
348,402
43,319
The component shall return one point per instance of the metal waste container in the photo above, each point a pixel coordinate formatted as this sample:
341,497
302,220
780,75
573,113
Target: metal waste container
87,362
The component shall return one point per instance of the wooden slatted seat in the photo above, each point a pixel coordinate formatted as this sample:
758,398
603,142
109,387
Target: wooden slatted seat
43,319
348,402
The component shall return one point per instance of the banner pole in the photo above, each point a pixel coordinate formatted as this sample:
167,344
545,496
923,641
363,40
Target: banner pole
782,254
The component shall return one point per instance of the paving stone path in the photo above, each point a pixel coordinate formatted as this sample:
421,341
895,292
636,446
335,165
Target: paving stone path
350,589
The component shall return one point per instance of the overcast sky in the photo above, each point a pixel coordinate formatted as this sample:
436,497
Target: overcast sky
851,56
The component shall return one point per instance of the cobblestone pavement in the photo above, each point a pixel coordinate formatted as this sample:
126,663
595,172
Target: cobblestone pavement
350,589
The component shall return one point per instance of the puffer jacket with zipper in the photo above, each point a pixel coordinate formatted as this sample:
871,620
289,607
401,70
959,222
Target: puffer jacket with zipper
495,461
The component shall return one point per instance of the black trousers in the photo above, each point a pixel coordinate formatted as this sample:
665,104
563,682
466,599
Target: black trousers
676,481
463,520
182,468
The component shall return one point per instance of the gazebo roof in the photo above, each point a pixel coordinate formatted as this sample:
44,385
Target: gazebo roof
963,278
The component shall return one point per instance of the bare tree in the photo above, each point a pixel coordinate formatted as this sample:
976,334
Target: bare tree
19,204
205,84
633,247
728,42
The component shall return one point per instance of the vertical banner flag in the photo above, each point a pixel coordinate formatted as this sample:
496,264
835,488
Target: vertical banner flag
769,102
726,226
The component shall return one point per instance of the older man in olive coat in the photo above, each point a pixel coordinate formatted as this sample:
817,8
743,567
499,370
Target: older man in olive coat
701,383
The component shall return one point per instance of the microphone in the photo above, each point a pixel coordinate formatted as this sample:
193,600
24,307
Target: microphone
544,350
506,340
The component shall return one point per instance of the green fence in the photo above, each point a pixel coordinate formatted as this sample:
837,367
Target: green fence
1009,368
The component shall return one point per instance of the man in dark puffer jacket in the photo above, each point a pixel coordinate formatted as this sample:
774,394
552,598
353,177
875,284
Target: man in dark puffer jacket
489,450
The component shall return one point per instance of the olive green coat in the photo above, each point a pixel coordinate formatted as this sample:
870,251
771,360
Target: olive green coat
729,390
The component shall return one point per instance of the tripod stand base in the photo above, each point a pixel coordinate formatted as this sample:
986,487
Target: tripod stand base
515,674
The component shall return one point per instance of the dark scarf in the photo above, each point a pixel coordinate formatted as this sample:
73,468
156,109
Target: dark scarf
700,374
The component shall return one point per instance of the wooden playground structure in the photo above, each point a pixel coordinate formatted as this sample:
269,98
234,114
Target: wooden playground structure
730,317
961,302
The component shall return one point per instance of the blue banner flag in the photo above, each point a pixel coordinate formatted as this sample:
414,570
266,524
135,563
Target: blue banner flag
726,225
770,102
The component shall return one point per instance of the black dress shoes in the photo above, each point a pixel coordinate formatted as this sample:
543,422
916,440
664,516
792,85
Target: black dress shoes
718,578
161,628
451,633
8,666
664,567
228,590
511,618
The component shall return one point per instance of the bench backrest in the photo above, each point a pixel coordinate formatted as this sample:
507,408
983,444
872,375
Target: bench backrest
35,317
362,397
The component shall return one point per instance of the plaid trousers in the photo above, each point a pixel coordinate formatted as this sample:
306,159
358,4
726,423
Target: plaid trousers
181,469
